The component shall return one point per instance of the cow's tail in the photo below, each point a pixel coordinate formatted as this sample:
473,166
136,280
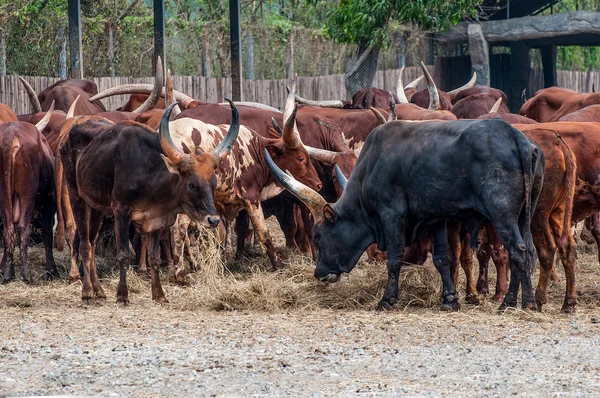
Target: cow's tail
570,179
9,154
58,178
530,161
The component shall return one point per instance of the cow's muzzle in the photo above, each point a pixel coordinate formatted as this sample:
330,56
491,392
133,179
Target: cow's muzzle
213,221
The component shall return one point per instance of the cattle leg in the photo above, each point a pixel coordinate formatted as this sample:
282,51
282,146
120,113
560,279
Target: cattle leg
166,252
7,264
395,239
439,236
305,227
187,252
484,253
242,228
179,231
595,229
258,223
24,229
466,261
95,224
500,259
568,254
47,211
521,265
286,216
453,234
143,268
153,251
122,239
70,235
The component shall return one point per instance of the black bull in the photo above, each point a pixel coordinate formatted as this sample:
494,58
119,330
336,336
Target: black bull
410,179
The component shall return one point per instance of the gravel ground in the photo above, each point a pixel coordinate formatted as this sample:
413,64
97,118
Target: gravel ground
112,351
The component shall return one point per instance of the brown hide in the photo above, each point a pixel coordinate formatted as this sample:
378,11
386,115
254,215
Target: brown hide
588,114
475,105
476,90
546,102
421,99
7,114
371,97
508,117
136,100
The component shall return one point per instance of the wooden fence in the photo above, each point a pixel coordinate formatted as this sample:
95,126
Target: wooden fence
270,92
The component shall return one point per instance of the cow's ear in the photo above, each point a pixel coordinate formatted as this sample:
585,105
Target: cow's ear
172,167
329,214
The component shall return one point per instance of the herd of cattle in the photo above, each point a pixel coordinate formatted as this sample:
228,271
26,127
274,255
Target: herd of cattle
395,174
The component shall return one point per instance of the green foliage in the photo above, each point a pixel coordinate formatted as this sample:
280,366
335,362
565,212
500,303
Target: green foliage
364,22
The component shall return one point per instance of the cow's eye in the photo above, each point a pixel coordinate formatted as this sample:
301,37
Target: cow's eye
191,185
301,159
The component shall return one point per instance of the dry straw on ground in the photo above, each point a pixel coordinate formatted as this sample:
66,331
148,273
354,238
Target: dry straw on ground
249,284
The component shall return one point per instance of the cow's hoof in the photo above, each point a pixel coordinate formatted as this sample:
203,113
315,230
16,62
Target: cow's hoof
87,300
74,278
530,306
100,295
50,275
485,290
507,305
123,300
161,300
499,297
473,299
450,306
385,305
569,306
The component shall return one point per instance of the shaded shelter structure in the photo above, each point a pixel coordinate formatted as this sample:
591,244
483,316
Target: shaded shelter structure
517,25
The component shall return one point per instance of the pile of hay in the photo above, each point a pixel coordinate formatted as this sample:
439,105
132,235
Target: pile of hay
244,284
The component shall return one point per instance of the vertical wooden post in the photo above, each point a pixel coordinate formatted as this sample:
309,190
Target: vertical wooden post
519,74
159,35
236,52
549,64
75,39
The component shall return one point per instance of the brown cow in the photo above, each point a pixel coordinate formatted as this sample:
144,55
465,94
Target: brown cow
588,114
7,114
142,178
244,180
546,103
27,167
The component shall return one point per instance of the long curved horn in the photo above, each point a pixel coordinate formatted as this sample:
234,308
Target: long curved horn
140,88
342,180
156,90
41,125
393,114
71,111
253,105
379,116
290,101
170,97
310,197
400,88
415,82
234,128
434,96
291,138
322,155
469,84
35,102
166,142
319,104
496,105
276,126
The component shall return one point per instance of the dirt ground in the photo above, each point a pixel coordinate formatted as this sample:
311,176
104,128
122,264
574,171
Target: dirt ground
242,330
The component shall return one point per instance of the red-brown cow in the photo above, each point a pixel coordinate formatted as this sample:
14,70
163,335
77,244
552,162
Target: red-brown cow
508,117
142,178
244,180
7,114
550,104
27,166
